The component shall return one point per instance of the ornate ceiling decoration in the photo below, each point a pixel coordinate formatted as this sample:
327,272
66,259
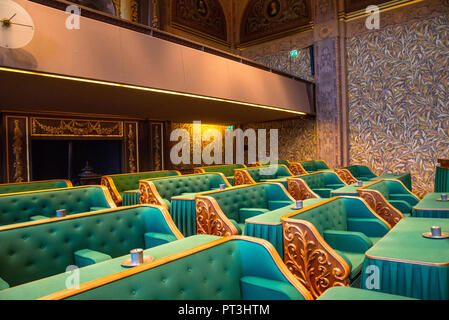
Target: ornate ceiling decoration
264,18
205,16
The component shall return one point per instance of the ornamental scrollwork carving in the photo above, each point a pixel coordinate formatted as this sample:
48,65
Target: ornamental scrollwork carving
299,190
78,127
131,149
17,150
296,168
107,183
148,194
242,177
310,260
381,206
345,175
209,220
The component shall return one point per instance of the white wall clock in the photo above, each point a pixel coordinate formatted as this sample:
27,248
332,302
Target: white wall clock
16,25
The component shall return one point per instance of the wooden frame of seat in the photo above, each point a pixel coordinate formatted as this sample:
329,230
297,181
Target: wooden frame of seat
345,175
241,176
150,195
300,190
110,185
201,169
308,256
379,204
296,168
147,266
210,219
107,195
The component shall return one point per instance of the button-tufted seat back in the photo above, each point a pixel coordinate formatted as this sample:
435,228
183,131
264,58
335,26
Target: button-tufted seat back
171,187
382,187
361,172
268,172
16,208
130,181
227,170
284,162
323,180
33,252
233,269
34,186
252,196
316,165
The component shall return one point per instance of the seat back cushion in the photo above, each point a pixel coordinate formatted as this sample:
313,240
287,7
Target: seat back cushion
33,186
126,182
227,170
382,187
21,207
315,181
232,200
39,251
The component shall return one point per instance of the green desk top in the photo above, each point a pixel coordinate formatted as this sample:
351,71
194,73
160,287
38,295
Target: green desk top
348,190
429,202
391,176
40,288
405,243
274,217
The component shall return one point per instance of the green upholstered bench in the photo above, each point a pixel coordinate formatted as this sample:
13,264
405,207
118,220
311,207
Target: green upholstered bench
223,212
229,268
124,188
348,293
389,198
314,165
294,166
177,194
269,173
40,249
34,186
361,173
226,169
331,236
313,185
37,205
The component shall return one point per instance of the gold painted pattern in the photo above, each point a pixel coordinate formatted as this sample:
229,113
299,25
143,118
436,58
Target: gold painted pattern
211,220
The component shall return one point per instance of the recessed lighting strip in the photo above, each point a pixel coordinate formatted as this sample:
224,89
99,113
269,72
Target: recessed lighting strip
114,84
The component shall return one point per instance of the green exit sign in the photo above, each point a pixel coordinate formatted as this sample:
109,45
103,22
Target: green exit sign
294,53
230,127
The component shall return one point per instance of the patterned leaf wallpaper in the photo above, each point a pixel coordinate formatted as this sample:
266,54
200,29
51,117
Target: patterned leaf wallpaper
297,137
398,83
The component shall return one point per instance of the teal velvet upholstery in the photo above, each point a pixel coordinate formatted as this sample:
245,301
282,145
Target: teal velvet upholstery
361,173
17,208
313,166
323,183
348,226
32,252
241,203
34,186
227,170
86,257
188,184
277,173
396,194
237,269
441,180
348,293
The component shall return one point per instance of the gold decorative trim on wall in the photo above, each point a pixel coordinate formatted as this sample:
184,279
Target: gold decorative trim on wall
157,145
59,127
131,147
17,156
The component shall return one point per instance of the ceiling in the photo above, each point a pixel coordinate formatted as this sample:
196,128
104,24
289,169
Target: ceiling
34,93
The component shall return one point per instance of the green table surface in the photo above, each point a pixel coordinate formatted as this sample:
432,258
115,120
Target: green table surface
349,190
405,243
430,202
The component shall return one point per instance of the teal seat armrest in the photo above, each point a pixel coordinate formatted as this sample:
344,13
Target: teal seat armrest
3,284
154,239
238,226
277,204
256,288
401,205
409,198
98,208
342,254
36,218
246,213
369,227
347,240
322,192
87,257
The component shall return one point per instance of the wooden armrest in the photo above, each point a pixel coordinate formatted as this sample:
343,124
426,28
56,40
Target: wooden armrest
210,219
299,190
381,206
